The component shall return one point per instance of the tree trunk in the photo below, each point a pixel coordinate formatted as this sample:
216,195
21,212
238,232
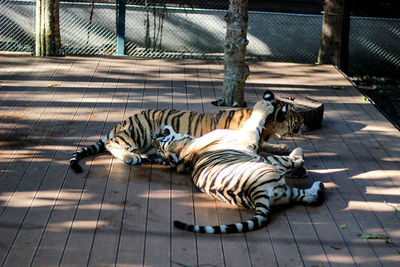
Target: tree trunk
235,68
334,47
48,40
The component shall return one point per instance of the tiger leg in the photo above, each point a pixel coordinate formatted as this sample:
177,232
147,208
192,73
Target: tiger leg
121,153
274,149
291,166
283,163
311,196
250,133
295,159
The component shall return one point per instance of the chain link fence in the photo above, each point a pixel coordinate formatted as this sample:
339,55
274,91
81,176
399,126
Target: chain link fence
279,30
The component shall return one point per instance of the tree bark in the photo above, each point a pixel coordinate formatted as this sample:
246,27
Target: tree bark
334,47
48,40
235,69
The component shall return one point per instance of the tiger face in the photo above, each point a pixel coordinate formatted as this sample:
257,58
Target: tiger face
169,144
285,121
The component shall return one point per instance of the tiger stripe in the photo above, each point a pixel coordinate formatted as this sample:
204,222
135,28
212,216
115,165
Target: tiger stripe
131,139
237,175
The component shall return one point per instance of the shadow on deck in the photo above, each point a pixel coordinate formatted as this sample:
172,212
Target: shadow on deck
115,213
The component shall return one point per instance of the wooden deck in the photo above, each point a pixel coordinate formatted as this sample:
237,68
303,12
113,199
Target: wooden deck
115,213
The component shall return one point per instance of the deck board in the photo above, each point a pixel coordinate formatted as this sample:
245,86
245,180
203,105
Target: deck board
114,213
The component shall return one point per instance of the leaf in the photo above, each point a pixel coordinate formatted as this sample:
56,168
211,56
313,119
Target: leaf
52,85
395,208
337,87
365,99
335,247
343,226
373,236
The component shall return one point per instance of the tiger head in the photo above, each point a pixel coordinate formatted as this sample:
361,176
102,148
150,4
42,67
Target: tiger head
169,144
285,119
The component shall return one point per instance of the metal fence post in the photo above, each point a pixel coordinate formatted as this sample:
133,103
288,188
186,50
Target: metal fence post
120,13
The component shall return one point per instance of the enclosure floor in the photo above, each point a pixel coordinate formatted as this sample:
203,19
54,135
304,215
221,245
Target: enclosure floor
114,213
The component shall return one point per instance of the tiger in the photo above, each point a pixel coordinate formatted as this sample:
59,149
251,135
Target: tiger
225,165
131,140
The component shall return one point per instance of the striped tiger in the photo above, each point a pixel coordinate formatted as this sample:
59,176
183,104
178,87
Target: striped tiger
225,165
131,140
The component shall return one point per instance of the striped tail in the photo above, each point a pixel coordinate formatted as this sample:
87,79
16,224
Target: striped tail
258,221
98,147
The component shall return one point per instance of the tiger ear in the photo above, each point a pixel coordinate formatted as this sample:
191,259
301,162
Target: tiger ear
167,130
281,115
268,95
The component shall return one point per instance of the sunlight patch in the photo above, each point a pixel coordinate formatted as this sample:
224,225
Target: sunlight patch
78,225
378,174
324,171
370,206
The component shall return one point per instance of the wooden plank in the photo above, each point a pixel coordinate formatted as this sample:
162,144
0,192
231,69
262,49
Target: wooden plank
216,70
29,148
39,208
23,126
206,86
260,247
84,221
337,208
227,213
6,60
20,181
349,234
133,233
307,235
113,212
107,235
133,228
327,219
302,240
209,248
18,102
183,244
179,97
367,223
165,82
150,71
67,195
231,244
157,236
18,74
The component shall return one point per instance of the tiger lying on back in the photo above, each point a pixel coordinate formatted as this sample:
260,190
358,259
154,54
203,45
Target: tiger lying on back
131,140
224,164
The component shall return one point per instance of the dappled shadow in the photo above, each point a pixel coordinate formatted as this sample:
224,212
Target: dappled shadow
355,153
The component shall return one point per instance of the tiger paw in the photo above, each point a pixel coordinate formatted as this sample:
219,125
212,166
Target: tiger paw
132,159
264,107
297,157
126,156
318,193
